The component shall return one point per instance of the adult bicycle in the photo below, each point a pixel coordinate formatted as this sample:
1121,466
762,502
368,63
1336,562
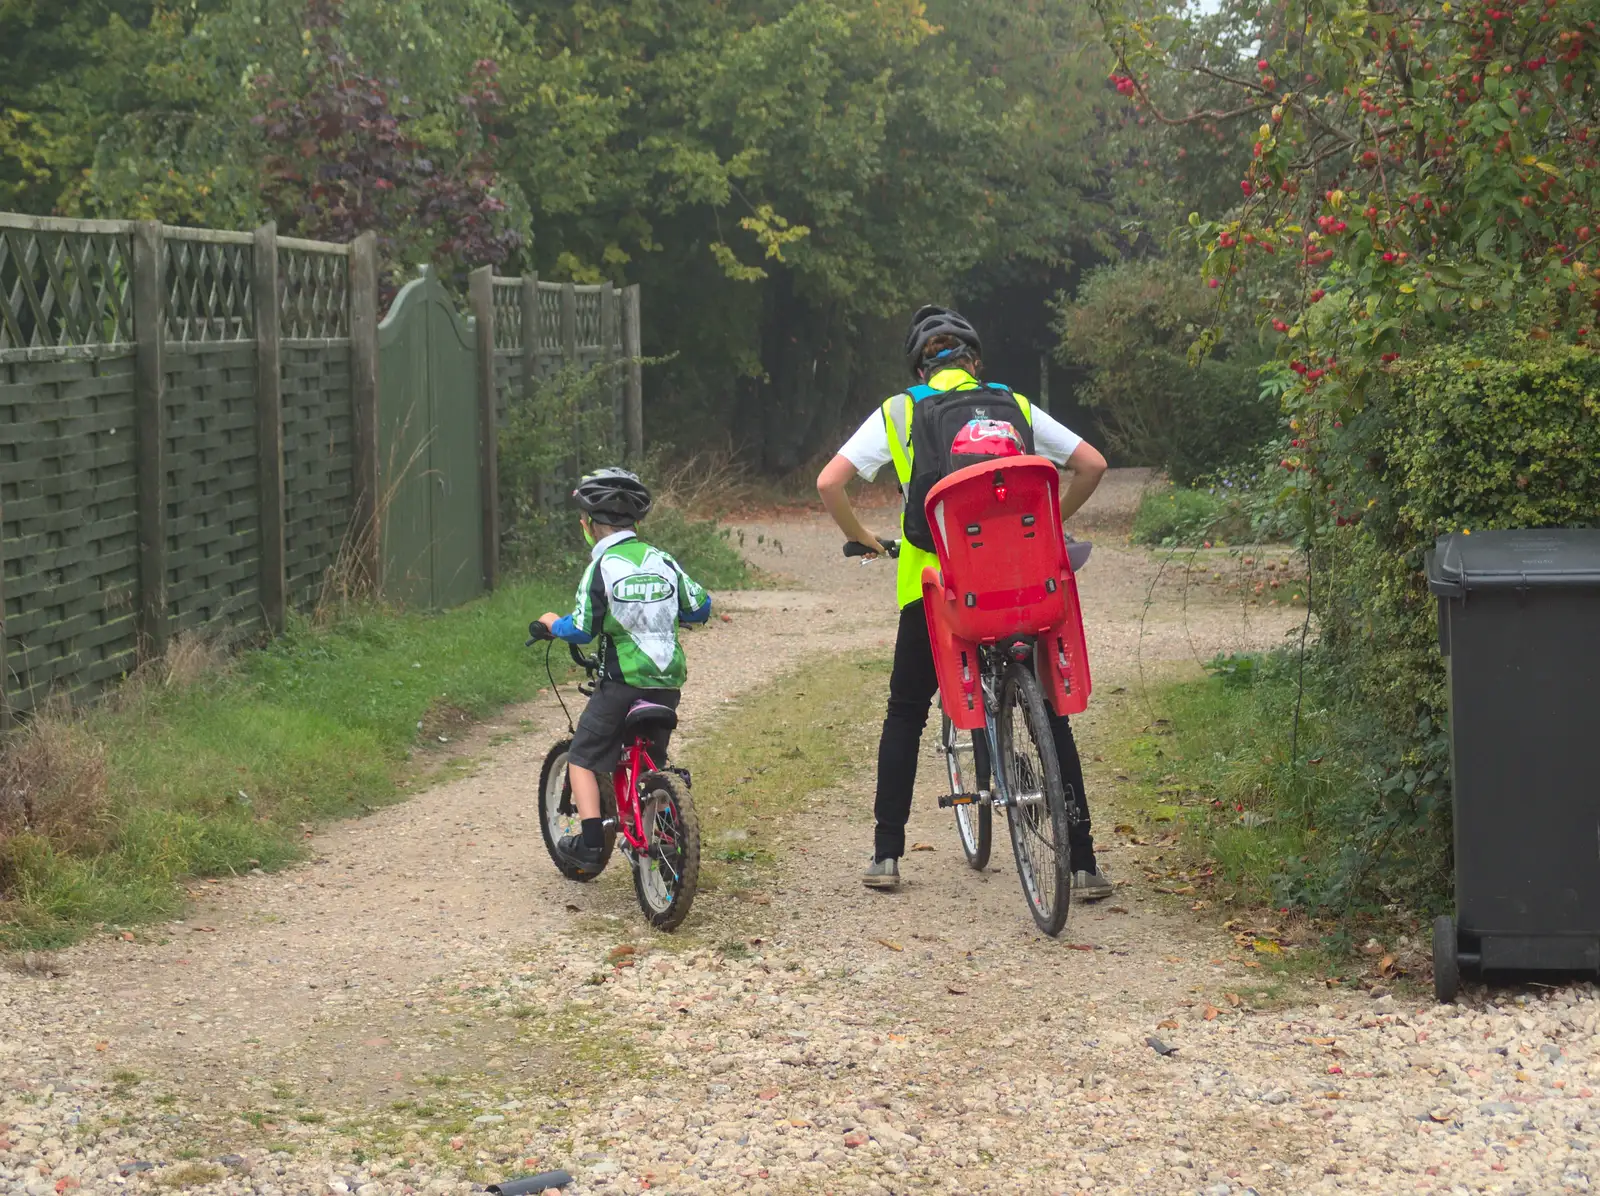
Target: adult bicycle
1040,814
649,808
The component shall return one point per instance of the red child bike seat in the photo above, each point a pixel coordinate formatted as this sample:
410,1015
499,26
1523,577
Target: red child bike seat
1003,572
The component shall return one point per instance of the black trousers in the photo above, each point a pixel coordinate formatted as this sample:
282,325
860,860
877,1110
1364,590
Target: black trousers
912,686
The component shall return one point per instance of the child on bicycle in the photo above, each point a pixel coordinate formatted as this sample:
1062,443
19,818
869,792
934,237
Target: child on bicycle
632,596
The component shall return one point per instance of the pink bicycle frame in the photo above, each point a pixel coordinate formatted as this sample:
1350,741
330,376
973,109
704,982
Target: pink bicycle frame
630,818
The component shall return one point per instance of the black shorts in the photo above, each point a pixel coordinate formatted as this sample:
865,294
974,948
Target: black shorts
597,742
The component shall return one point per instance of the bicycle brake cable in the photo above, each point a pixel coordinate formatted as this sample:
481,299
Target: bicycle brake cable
549,646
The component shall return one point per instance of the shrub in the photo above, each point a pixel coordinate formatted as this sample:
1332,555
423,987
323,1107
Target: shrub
1171,516
1462,439
1132,325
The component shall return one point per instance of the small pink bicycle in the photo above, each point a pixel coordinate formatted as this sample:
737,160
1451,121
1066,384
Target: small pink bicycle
650,804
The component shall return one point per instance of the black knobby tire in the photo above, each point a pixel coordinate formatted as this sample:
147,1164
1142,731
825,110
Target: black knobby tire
665,881
1039,829
555,790
1446,963
975,822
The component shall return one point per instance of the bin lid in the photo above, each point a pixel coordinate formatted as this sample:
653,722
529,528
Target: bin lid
1514,560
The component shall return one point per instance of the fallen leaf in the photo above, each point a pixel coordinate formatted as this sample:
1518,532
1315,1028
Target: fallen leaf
922,847
1167,1024
1116,909
727,618
100,1046
956,989
1159,1047
891,944
620,951
1386,966
1211,1012
1125,828
1234,999
1265,947
1442,1115
127,936
1078,946
767,1094
207,929
571,909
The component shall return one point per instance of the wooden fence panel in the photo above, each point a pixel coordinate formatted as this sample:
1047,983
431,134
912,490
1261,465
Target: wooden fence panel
318,464
213,495
70,530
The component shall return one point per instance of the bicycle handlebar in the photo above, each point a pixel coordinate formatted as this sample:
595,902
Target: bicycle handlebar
538,632
857,548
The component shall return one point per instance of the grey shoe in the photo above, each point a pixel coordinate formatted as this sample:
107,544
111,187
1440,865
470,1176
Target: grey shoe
882,874
1092,886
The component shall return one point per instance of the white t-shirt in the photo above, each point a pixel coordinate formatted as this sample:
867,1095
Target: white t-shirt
868,449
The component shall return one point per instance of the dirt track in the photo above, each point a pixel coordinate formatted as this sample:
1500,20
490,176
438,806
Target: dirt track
429,970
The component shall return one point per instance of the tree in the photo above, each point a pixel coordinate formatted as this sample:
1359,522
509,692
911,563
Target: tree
1424,170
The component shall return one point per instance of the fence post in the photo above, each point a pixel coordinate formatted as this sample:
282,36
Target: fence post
273,584
530,335
149,380
608,362
480,288
569,358
364,406
633,393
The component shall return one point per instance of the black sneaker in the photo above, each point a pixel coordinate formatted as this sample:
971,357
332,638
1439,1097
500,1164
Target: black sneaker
582,856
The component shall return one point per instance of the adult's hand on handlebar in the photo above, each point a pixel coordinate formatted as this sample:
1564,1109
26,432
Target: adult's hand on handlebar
880,546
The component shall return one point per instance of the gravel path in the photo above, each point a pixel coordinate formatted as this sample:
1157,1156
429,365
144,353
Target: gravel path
427,1007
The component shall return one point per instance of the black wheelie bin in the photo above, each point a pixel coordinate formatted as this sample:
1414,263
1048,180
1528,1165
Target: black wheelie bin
1519,624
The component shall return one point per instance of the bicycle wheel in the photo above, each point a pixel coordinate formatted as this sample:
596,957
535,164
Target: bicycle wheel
1038,813
665,878
975,822
558,816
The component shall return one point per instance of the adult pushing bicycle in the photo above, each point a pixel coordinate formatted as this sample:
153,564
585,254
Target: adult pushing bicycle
988,617
1028,786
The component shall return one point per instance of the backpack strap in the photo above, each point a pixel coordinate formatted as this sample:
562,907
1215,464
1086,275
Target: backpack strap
924,391
897,421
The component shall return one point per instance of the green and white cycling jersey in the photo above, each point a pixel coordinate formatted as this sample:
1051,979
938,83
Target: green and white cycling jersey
635,595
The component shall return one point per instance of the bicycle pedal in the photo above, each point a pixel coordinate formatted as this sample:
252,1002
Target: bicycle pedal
960,799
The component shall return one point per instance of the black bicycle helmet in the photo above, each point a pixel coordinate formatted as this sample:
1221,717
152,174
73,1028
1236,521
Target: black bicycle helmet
931,321
614,496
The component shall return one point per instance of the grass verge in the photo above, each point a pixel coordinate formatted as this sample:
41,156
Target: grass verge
1236,809
211,766
776,752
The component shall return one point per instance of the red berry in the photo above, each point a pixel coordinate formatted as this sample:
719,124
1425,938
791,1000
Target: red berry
1316,295
1263,65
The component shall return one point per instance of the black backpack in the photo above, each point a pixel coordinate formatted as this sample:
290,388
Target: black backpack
936,422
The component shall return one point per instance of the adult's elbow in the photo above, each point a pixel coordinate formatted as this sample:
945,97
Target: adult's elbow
835,476
1089,462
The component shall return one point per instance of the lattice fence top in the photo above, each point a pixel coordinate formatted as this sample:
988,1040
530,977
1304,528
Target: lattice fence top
549,318
313,294
61,288
507,313
208,283
589,321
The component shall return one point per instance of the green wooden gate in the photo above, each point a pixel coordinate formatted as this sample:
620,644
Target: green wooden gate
429,453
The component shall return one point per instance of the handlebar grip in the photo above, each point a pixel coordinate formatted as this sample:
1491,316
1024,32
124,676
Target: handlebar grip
857,548
537,631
